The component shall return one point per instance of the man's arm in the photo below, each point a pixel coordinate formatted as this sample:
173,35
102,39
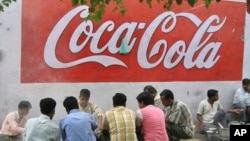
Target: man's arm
100,116
14,127
200,120
236,111
105,128
62,130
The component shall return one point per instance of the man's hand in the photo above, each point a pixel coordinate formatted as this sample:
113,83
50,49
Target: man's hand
238,111
166,120
201,125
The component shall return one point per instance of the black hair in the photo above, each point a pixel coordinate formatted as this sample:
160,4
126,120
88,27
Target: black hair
119,99
150,89
146,98
70,103
85,93
211,93
24,104
246,81
167,94
47,105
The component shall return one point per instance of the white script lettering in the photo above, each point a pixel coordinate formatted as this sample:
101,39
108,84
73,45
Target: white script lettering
207,51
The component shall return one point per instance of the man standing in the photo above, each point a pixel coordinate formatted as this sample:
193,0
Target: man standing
242,100
150,119
13,124
153,92
88,107
119,121
178,117
76,126
43,128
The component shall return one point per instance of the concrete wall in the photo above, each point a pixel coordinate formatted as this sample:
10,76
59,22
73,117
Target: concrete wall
12,91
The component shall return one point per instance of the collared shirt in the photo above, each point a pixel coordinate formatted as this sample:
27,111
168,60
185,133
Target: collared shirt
120,121
241,97
41,129
153,125
91,108
179,114
207,111
13,124
78,126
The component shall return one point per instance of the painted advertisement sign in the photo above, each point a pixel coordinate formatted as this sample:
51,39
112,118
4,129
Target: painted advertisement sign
183,44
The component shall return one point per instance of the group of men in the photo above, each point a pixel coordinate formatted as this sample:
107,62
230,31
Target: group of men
211,114
160,117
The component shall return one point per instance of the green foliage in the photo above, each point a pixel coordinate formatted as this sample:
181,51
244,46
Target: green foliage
5,3
97,7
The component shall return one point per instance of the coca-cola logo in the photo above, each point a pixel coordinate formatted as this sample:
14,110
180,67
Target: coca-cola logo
185,44
207,57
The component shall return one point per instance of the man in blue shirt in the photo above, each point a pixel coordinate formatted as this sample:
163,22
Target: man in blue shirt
77,126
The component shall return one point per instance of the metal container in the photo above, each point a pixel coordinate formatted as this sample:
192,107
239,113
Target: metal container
224,132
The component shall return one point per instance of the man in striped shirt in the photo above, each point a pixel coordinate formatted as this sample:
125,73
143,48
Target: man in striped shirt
119,121
178,117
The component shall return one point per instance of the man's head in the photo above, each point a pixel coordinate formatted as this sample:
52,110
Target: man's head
47,107
119,99
84,97
167,97
24,107
144,99
151,90
213,95
70,103
246,84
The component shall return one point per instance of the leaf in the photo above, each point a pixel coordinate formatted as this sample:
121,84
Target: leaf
118,2
1,7
116,8
107,1
179,2
74,2
6,2
170,2
207,3
91,9
149,2
191,2
123,9
158,1
83,2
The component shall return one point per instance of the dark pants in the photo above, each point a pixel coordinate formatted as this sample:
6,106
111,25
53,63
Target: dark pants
10,138
243,116
221,117
176,132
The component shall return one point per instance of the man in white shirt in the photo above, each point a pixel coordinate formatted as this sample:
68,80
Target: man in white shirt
153,92
43,128
242,100
210,112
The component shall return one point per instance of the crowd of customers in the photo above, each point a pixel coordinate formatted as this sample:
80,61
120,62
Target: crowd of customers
160,117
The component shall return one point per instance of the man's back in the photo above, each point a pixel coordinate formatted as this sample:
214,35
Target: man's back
121,124
153,125
41,129
78,126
